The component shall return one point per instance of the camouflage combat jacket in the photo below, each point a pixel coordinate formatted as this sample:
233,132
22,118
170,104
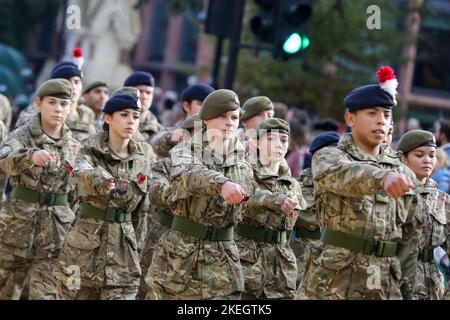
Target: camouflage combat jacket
306,248
351,199
83,123
431,223
185,266
107,252
270,269
31,230
150,127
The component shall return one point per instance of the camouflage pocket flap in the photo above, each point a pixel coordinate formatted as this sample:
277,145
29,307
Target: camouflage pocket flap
335,258
439,215
439,210
129,235
85,234
64,215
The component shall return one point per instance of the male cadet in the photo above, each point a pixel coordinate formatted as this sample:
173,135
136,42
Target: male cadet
364,203
254,111
307,243
145,83
95,96
192,99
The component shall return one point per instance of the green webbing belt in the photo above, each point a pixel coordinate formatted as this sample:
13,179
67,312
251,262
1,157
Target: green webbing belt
307,234
426,255
201,231
109,214
261,234
50,199
165,219
358,244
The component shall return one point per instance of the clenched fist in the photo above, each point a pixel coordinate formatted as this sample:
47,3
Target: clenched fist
397,184
233,193
42,157
288,205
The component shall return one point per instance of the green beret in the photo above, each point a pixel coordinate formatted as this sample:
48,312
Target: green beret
95,84
58,88
255,106
219,102
126,90
273,124
189,123
414,139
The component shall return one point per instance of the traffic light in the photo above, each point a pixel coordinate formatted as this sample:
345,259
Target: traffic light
292,29
264,24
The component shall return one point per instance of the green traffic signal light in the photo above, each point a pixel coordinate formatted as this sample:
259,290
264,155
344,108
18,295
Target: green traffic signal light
305,42
294,43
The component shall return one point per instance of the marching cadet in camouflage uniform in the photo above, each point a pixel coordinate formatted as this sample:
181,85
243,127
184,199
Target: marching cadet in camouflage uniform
198,258
95,96
38,160
364,205
270,269
145,83
159,217
419,154
81,118
307,245
192,99
100,258
254,111
141,220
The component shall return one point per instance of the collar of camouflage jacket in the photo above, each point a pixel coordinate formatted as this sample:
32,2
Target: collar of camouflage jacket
347,144
42,138
235,152
429,186
150,124
100,144
265,174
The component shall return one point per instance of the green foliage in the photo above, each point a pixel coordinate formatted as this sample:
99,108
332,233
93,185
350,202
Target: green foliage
343,54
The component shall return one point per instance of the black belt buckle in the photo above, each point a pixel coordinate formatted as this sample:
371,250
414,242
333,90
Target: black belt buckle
276,236
117,215
209,233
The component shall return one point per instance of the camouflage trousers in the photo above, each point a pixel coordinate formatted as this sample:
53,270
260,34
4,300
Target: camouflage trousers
96,293
270,270
339,274
14,271
186,267
159,293
305,250
154,234
429,284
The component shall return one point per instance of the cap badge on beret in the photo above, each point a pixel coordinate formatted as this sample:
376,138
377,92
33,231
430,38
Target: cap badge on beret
236,99
388,81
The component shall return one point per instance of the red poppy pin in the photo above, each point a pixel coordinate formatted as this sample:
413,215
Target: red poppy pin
69,170
142,178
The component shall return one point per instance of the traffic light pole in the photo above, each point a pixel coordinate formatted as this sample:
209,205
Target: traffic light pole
216,70
234,44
